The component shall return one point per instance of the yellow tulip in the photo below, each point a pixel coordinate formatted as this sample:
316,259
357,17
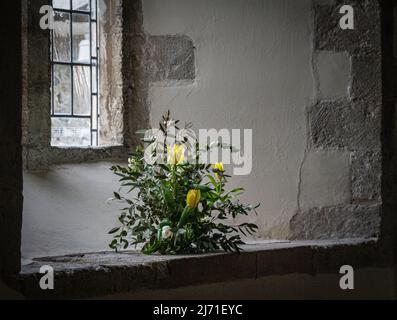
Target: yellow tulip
220,168
176,154
193,198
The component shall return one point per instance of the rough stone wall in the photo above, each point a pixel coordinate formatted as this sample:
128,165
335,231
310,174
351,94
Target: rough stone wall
344,122
36,84
10,143
111,81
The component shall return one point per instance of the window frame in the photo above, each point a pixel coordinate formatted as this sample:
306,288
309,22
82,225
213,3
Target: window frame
94,61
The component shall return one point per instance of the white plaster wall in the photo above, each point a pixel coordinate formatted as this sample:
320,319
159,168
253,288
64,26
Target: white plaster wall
66,210
254,71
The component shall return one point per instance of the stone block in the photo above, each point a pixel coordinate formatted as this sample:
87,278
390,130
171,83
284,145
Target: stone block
339,222
367,78
333,69
339,124
366,176
365,37
325,179
171,57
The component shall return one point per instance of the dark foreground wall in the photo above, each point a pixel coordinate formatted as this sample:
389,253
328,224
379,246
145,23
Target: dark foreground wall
370,283
10,133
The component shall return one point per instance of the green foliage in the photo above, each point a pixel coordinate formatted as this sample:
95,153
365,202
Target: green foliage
163,216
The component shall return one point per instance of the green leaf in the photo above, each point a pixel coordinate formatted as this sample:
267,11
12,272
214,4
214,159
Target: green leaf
237,190
168,196
126,244
212,180
202,187
114,230
113,244
184,217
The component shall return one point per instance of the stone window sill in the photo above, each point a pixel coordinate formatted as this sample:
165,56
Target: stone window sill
42,160
105,273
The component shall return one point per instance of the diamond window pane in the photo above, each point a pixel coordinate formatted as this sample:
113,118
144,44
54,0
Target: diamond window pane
94,112
94,139
94,79
62,40
93,9
81,38
62,87
94,39
61,4
81,5
81,90
70,132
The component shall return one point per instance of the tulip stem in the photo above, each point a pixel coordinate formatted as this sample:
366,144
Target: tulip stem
174,184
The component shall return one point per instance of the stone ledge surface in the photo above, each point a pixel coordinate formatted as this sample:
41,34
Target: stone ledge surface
100,274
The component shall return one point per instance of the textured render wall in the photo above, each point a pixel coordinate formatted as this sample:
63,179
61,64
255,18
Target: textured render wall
10,146
66,210
206,71
345,126
253,70
310,91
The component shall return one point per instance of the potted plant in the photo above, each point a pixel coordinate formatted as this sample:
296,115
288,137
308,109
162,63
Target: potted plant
177,206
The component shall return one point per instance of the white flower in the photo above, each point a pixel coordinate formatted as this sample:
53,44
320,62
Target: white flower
130,163
166,232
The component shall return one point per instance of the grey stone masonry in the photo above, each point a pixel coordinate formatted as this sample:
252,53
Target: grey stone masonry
344,125
171,58
366,36
357,221
346,116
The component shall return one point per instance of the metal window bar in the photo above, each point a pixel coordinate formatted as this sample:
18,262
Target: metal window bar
94,63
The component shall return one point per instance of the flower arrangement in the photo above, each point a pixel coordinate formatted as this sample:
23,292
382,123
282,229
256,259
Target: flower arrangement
179,206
